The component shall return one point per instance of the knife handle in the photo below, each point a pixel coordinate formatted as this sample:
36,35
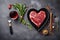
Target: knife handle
11,30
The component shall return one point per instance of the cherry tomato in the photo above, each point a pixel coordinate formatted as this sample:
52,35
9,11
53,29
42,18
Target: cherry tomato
9,6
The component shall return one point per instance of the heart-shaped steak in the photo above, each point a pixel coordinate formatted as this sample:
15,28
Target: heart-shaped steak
38,18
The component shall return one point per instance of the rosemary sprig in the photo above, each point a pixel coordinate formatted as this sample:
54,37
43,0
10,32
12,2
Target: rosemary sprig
21,11
27,23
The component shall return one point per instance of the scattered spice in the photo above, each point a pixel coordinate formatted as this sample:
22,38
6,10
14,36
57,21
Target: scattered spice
51,16
45,32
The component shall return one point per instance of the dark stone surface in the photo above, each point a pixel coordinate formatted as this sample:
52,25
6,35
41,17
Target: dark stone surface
21,32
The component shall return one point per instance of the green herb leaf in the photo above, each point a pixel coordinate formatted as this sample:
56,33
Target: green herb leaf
29,26
21,11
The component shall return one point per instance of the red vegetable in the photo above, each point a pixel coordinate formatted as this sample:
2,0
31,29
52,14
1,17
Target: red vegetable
9,6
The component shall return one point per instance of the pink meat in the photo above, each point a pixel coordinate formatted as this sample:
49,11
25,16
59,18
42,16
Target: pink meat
37,18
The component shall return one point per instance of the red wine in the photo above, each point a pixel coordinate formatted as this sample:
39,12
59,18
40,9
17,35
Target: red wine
13,14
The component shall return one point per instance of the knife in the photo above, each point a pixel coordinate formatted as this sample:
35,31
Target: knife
10,27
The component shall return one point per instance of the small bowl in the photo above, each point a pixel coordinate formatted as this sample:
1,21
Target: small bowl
13,15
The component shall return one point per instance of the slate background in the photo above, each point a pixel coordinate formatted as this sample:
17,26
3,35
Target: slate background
21,32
